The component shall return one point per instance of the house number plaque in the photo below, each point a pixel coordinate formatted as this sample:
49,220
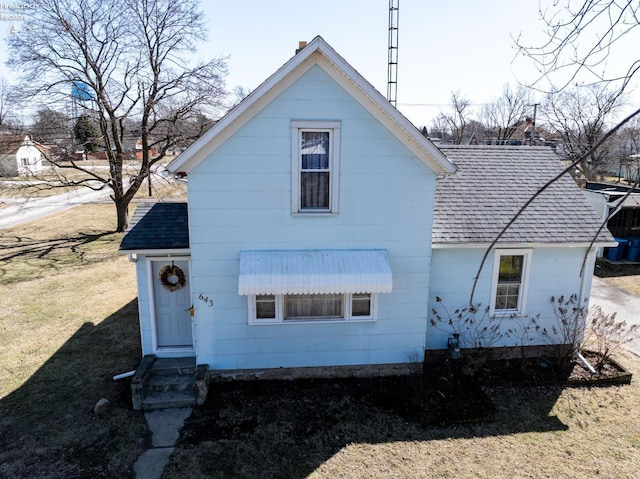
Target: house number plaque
206,300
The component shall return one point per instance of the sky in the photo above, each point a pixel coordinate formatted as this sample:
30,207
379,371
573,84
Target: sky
464,46
457,45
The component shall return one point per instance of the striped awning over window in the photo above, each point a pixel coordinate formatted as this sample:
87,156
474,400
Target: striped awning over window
314,272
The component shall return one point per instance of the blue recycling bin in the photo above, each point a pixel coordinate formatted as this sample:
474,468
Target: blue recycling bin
617,253
633,248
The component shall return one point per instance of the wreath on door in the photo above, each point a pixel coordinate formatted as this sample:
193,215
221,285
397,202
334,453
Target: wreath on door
172,277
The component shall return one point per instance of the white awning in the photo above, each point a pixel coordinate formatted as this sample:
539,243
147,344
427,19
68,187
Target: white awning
314,272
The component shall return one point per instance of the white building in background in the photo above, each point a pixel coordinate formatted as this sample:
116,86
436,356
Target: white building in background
19,156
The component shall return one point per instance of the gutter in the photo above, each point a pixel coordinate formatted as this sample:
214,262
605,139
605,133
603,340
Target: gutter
585,244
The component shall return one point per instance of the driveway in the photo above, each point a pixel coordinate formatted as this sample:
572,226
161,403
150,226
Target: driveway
28,210
612,299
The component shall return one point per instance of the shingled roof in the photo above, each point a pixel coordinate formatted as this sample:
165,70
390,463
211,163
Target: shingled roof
157,226
492,184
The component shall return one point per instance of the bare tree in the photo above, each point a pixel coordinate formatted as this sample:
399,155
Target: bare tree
118,61
580,116
455,119
439,129
50,124
5,102
582,36
625,149
502,118
579,41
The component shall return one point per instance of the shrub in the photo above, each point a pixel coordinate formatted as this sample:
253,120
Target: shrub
607,334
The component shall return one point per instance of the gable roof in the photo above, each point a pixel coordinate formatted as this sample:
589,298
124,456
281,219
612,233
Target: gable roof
317,52
494,182
157,226
10,144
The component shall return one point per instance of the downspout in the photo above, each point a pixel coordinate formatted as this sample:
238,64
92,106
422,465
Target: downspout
585,362
133,258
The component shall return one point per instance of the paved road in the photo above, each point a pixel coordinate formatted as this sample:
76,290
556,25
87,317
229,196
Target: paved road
612,299
35,208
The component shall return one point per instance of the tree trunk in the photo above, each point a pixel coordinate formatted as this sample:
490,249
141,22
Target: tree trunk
122,212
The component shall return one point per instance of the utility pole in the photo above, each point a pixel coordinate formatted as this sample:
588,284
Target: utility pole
392,77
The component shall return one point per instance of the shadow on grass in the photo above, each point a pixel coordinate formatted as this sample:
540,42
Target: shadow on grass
607,269
48,427
48,254
287,429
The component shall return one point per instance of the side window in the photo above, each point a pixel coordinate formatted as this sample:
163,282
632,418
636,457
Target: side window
510,281
315,148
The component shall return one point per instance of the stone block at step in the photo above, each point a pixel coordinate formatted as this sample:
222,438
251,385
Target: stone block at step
170,382
168,399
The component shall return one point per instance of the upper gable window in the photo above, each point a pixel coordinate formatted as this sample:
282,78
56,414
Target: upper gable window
315,148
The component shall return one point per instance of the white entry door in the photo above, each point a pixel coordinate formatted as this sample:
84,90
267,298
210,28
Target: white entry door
171,301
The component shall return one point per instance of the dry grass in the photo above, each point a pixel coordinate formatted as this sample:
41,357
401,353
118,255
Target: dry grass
69,324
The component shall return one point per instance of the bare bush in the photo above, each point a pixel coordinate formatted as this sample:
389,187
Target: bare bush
607,334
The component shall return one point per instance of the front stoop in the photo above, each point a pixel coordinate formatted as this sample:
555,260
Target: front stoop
161,383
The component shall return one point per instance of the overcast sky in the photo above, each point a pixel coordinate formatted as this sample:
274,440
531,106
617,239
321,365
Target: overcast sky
456,45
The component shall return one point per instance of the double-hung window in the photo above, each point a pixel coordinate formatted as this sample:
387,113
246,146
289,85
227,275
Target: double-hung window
510,281
315,148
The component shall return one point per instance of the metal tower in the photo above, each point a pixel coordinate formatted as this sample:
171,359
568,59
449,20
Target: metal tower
392,77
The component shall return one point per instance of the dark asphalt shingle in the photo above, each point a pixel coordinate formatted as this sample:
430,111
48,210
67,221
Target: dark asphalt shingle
157,226
493,182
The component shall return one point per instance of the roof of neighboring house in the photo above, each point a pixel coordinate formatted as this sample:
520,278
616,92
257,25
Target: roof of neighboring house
9,144
157,226
317,52
494,182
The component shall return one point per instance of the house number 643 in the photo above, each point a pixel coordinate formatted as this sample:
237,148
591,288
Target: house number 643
206,300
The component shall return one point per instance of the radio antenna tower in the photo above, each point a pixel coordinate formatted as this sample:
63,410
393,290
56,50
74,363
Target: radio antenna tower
392,76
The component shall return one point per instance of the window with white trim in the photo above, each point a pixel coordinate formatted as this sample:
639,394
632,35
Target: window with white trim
283,308
315,149
510,281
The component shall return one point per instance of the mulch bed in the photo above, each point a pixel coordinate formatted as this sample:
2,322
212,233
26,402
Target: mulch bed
244,426
443,395
550,371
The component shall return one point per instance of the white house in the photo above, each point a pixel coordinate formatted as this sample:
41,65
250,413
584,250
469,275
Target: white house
321,224
19,156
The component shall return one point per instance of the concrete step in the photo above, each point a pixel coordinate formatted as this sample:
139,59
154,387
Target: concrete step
170,382
180,366
168,399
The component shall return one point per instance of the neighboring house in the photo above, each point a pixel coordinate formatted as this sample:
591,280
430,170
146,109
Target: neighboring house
153,151
307,238
19,155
